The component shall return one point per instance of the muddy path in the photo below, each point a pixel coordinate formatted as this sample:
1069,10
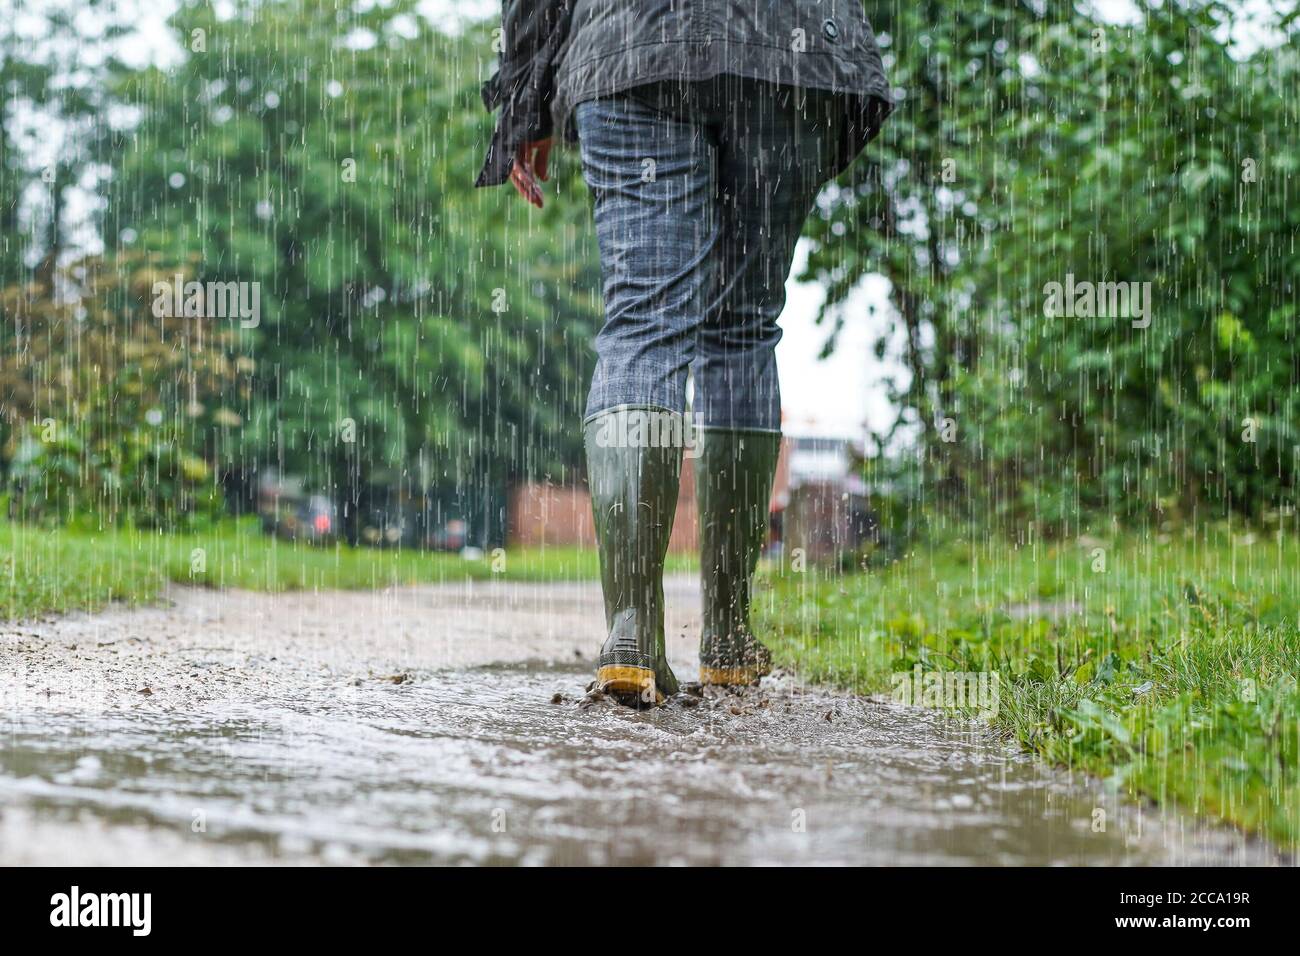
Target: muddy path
447,725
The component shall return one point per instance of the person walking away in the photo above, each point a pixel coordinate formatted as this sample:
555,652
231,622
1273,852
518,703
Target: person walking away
706,130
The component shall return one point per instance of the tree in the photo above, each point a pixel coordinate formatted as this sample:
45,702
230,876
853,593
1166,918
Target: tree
1037,143
412,327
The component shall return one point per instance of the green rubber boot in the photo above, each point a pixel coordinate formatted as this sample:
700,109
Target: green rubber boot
734,472
633,498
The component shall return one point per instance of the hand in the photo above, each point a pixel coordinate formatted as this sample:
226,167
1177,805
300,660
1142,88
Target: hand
530,166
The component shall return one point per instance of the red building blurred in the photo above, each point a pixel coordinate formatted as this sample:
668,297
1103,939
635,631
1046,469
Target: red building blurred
819,505
560,515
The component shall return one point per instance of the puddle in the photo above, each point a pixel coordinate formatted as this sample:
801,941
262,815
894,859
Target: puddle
480,766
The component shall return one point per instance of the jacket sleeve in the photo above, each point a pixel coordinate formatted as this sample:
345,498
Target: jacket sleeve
532,36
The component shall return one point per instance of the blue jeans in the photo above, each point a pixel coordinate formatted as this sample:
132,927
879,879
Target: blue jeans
700,191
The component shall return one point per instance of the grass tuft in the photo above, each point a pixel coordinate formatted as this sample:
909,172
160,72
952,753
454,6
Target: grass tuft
44,572
1169,667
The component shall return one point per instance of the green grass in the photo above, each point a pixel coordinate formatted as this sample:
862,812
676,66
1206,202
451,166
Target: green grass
1173,675
51,571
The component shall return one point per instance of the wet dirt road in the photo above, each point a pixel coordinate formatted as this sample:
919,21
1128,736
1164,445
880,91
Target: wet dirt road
446,725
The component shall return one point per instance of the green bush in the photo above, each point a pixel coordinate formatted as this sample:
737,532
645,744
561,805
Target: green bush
111,412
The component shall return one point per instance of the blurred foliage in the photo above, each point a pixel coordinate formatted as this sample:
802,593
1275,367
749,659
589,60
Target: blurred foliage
1033,142
412,328
329,154
53,99
109,411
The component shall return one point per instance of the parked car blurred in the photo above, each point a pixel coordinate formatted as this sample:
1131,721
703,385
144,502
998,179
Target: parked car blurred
317,519
386,516
289,513
386,528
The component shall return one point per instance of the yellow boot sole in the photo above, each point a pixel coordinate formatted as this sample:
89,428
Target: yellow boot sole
732,676
626,680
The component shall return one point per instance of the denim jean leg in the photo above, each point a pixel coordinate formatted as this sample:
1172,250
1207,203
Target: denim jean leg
651,177
775,152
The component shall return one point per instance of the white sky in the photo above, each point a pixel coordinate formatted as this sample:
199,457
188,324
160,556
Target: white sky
843,394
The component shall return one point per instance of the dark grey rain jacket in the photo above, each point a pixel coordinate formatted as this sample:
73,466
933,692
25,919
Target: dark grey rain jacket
558,53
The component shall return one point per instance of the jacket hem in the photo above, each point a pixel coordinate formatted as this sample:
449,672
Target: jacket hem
826,70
